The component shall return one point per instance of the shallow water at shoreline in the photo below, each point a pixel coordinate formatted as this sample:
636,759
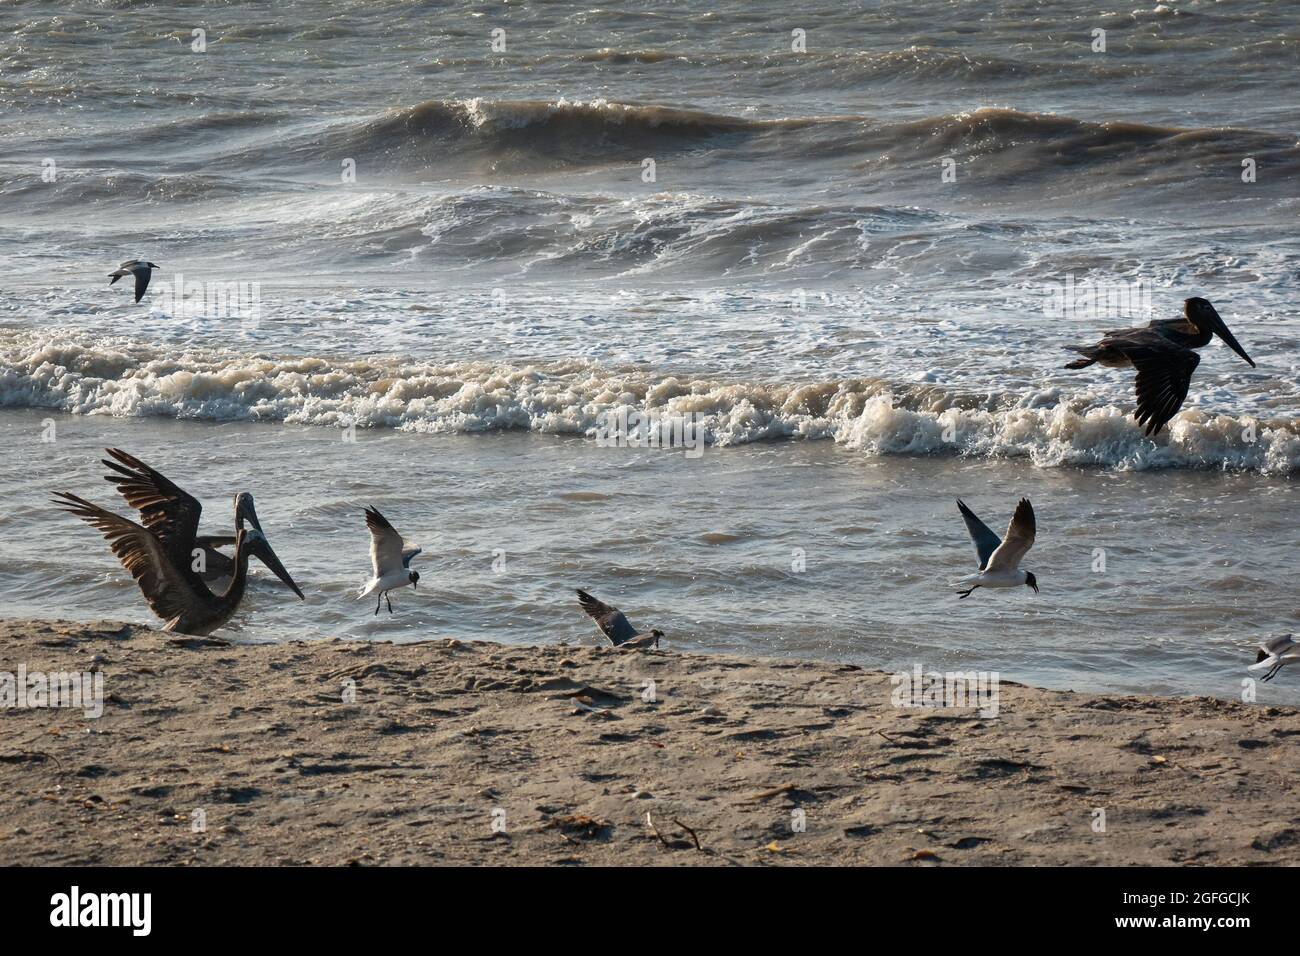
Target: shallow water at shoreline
703,548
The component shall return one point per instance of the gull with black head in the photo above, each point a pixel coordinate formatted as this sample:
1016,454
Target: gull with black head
390,560
614,624
1000,558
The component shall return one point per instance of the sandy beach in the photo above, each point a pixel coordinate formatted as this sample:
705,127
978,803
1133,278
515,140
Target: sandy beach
448,752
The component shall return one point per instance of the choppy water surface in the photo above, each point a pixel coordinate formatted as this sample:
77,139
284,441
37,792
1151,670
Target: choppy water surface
859,339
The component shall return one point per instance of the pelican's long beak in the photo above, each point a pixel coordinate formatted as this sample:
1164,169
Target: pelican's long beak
262,551
244,511
1221,330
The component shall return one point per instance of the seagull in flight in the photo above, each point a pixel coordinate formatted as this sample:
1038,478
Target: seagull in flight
1000,559
1163,354
614,625
390,557
139,268
1276,654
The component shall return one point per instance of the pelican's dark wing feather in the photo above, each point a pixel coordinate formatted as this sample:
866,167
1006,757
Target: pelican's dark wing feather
986,541
1164,373
141,553
165,508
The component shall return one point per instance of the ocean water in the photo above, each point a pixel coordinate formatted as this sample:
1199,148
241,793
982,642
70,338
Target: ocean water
843,263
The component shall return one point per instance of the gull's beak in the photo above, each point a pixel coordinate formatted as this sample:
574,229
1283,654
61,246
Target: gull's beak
1221,330
262,550
244,511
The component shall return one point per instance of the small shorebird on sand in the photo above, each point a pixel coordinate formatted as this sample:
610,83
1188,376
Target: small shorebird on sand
173,514
390,557
614,625
1276,654
173,591
1163,354
139,268
999,559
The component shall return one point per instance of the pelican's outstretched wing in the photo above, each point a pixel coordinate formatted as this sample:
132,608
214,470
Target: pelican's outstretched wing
1164,373
166,509
140,552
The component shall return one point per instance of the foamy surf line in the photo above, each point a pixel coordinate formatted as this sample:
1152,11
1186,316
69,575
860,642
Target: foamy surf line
125,379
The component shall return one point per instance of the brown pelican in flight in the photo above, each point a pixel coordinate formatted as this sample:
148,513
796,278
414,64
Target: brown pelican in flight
390,558
142,271
173,513
614,624
1163,354
1000,558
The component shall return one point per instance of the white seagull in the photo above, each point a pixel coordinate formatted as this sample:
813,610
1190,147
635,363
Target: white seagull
390,557
1276,654
139,268
999,559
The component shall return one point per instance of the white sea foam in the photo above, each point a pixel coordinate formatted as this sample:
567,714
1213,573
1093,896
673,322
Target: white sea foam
127,379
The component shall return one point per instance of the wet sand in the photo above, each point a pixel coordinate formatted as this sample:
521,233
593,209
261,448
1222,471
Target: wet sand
449,752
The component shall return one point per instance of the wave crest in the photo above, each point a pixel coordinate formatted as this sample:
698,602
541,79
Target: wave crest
873,416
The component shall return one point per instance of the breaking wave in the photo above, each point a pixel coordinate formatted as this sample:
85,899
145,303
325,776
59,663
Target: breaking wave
69,374
531,135
518,132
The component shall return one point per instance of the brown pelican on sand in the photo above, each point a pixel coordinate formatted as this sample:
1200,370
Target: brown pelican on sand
174,514
159,553
180,599
615,625
1162,352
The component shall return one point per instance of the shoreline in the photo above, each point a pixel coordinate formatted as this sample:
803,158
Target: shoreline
449,752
